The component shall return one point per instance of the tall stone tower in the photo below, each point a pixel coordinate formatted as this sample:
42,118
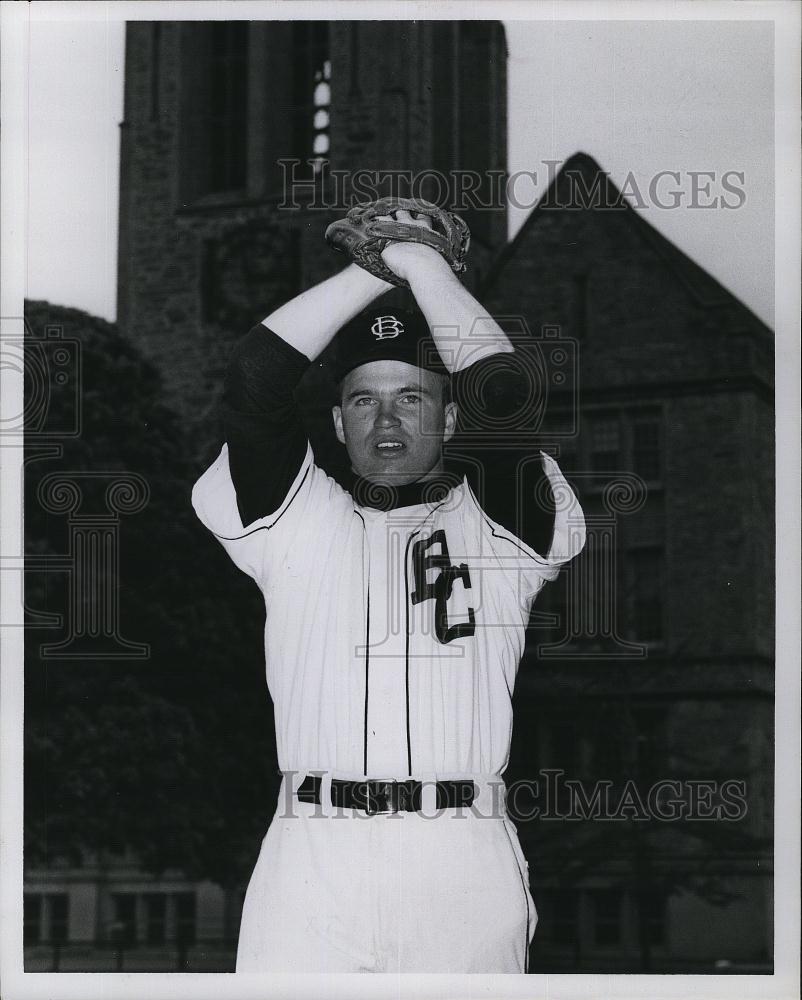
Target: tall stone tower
239,139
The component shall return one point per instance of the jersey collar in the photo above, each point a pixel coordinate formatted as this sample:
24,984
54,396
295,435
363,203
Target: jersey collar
382,496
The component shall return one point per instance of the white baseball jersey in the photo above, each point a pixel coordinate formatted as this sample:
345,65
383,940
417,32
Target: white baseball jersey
392,638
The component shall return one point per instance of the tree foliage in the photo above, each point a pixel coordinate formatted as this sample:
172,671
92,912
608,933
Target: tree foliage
171,757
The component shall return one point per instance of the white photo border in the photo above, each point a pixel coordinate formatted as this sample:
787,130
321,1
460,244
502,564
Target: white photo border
15,984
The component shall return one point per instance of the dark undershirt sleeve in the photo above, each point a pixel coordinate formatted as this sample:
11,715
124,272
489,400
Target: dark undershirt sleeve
507,477
265,435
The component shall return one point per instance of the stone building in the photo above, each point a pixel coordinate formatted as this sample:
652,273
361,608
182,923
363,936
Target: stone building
657,663
652,658
241,141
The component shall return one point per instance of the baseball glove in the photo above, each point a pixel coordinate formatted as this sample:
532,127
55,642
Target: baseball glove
363,236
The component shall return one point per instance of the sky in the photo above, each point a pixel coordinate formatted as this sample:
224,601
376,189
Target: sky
640,97
75,88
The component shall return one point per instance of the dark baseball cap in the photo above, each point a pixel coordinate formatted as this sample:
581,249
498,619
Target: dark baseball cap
384,333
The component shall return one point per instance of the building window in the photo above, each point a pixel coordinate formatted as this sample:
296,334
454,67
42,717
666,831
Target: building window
124,917
46,918
646,594
564,756
608,757
185,917
567,459
607,916
562,432
59,911
653,912
564,746
646,448
650,743
155,917
32,918
548,621
605,445
312,92
628,440
554,602
564,917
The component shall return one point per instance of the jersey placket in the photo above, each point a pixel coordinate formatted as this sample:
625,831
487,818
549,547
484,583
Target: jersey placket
386,728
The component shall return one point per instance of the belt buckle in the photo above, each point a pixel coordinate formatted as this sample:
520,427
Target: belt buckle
380,798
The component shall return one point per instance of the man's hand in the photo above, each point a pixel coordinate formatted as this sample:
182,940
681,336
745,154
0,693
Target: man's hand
462,329
409,260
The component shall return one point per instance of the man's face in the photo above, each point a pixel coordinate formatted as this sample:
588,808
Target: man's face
393,421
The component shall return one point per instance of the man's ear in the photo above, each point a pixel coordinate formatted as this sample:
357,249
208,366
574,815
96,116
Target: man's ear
337,415
450,412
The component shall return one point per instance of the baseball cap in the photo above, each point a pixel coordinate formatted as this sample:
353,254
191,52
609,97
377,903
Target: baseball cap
386,334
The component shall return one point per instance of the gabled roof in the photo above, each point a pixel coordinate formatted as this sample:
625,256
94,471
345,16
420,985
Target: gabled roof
702,286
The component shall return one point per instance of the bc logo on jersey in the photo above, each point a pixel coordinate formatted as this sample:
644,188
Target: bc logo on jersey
386,327
440,589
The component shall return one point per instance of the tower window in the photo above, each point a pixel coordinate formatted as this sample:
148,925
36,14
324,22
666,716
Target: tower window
312,92
214,117
228,104
444,87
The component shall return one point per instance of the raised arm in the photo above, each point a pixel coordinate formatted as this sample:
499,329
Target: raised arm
462,328
470,341
309,321
264,433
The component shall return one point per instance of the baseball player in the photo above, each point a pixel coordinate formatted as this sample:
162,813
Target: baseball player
396,607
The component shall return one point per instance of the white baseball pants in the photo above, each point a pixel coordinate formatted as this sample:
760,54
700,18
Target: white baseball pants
337,890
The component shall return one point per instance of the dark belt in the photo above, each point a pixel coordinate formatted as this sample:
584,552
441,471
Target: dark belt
375,797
